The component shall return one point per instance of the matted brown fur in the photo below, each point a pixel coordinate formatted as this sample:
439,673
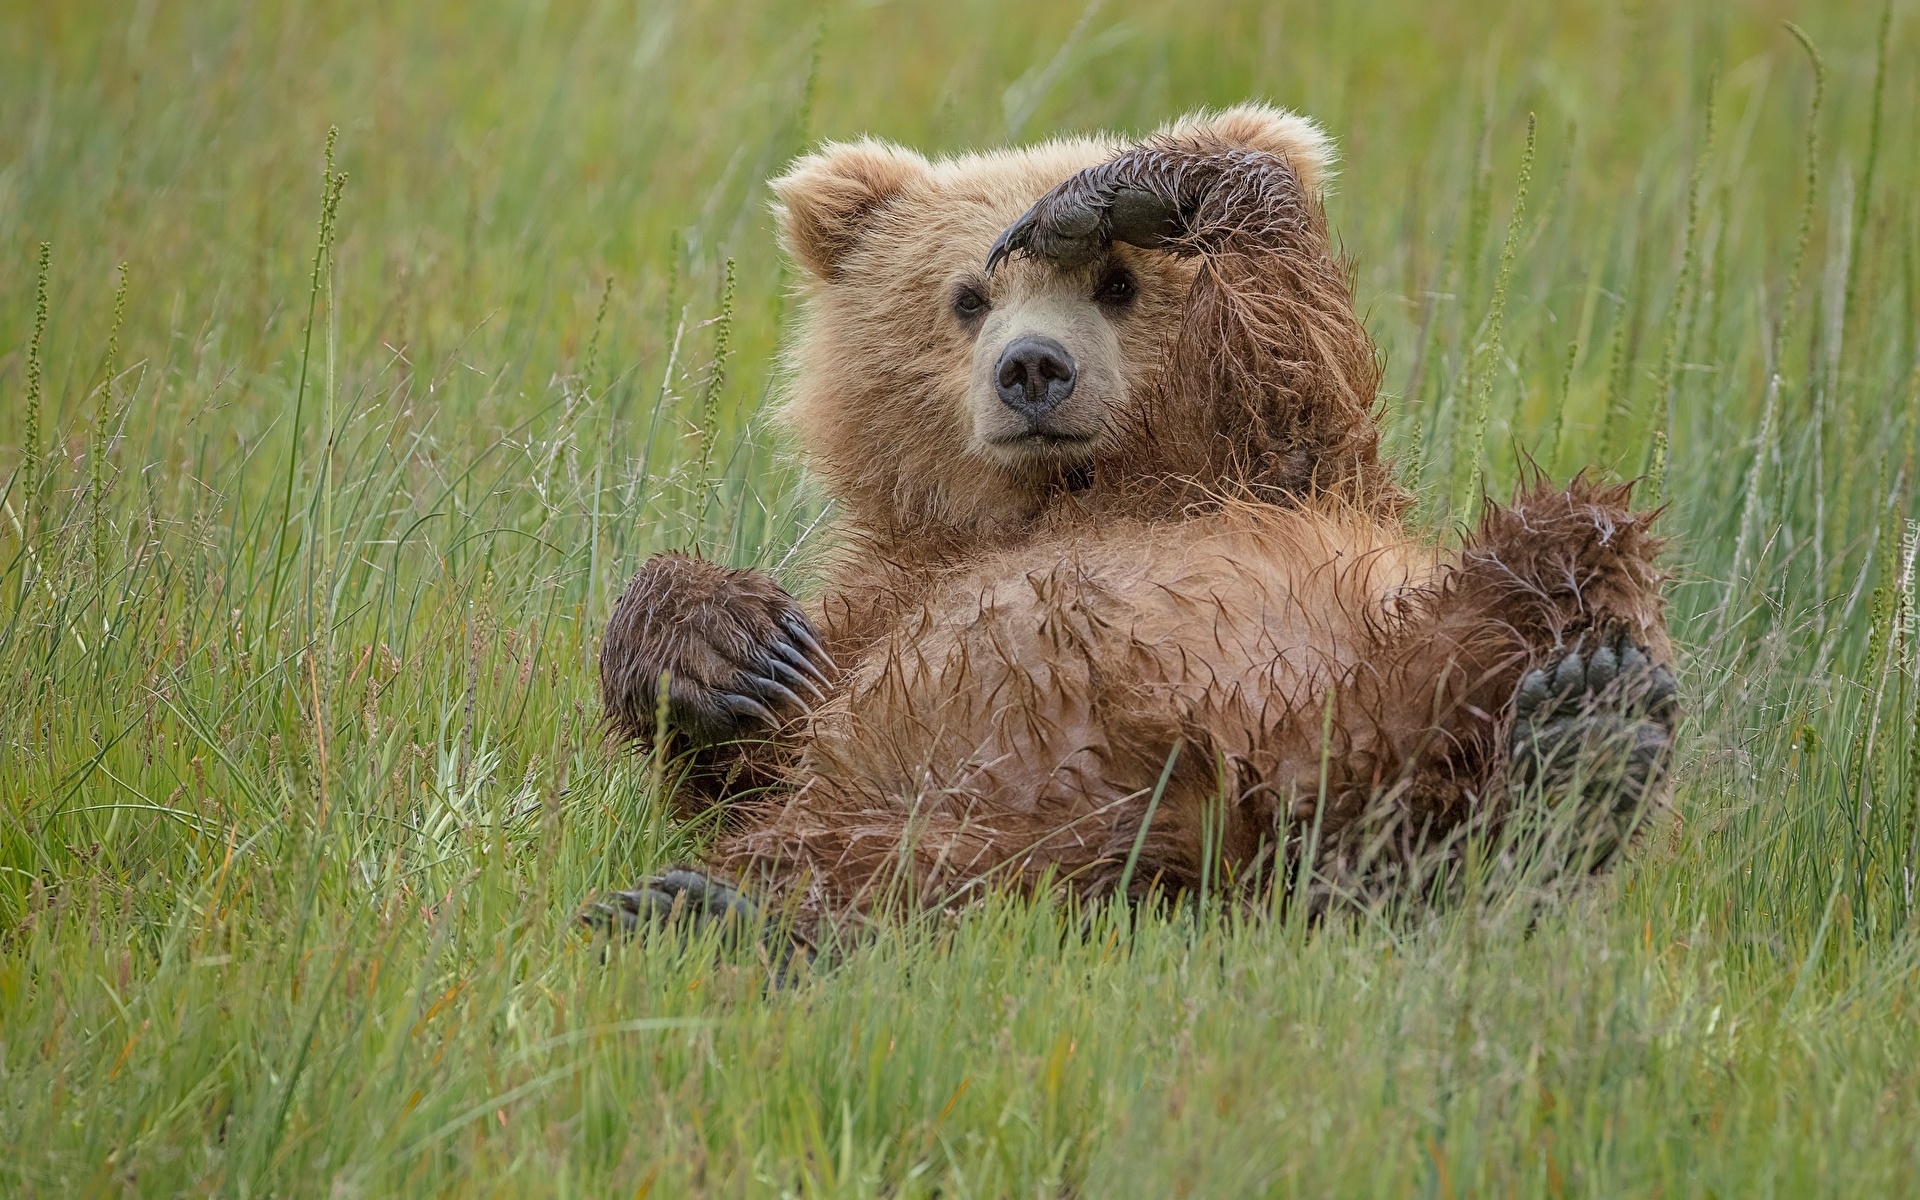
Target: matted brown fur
1031,653
1016,724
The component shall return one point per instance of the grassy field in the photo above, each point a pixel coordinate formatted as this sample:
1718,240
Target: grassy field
317,492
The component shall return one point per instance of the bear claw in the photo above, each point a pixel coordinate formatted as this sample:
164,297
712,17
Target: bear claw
1076,222
747,707
803,648
679,896
790,663
792,668
691,903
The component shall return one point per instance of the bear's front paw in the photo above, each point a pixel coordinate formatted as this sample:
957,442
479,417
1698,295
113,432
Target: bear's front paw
1077,221
737,654
1597,725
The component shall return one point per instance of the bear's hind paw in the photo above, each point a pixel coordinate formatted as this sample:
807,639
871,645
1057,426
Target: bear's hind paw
1618,675
1599,724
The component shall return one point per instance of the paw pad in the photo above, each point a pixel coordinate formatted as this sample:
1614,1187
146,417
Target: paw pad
1595,727
1617,676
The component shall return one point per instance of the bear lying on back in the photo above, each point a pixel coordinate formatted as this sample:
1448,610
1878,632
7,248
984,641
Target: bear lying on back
1123,595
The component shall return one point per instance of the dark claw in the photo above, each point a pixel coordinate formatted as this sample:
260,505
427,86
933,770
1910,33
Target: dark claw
791,676
778,690
747,706
703,894
1069,236
798,629
1004,247
800,662
628,909
1065,232
677,897
690,902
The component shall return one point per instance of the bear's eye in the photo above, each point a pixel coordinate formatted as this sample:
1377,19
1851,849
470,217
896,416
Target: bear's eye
1116,289
968,303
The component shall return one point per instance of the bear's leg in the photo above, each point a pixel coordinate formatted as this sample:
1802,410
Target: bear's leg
1429,725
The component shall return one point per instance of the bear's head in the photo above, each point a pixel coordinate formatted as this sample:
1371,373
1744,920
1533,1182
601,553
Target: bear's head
933,398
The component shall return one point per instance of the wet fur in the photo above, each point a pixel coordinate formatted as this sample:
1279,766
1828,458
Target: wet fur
1023,660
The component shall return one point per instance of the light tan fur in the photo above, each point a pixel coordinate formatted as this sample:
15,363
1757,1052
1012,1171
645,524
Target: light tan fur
881,376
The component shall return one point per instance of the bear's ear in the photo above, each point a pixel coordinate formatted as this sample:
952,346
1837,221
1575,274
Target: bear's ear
824,201
1275,130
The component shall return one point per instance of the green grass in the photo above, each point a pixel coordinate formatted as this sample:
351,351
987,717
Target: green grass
302,566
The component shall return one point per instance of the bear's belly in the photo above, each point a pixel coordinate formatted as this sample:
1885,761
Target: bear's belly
1056,679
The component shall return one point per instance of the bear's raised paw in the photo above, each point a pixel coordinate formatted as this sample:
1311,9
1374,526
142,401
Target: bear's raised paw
1077,221
1152,196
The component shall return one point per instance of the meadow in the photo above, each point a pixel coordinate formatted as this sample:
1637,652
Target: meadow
352,355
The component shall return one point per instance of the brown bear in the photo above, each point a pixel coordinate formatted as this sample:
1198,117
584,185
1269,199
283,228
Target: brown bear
1123,595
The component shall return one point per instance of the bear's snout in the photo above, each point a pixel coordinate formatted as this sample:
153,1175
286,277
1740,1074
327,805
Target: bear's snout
1034,376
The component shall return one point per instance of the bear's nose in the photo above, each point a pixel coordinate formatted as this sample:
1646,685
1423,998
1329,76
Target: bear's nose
1035,375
